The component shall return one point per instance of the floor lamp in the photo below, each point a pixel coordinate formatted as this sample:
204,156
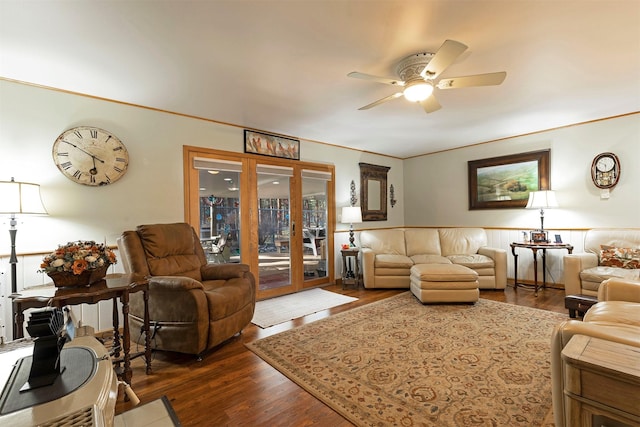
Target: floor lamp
18,198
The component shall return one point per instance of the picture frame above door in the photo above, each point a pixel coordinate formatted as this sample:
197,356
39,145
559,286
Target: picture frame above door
271,145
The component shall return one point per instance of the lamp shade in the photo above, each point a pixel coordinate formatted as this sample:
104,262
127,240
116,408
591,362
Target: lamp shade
351,215
20,198
542,200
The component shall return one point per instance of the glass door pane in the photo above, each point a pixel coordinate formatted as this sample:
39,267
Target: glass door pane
274,225
314,227
219,196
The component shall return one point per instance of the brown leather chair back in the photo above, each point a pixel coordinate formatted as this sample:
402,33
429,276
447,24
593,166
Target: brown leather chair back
163,250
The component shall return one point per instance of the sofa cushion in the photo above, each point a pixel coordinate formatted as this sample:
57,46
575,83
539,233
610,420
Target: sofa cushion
459,241
429,259
610,256
384,241
600,273
392,261
443,273
472,260
421,241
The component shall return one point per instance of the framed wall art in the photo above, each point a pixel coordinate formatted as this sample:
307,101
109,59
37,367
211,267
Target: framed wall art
271,145
506,181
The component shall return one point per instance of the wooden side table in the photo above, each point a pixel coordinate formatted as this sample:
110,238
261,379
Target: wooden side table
601,383
350,272
535,247
114,287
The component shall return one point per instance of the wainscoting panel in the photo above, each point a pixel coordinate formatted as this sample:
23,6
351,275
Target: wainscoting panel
99,315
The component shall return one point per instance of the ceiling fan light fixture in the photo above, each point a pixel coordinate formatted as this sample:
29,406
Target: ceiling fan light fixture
418,91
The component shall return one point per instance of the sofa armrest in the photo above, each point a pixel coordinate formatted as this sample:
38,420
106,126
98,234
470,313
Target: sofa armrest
223,271
368,270
172,299
616,289
173,283
573,265
499,257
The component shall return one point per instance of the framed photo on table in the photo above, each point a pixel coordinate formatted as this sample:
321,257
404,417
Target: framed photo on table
506,181
539,236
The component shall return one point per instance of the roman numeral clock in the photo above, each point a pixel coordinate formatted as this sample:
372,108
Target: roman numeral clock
90,156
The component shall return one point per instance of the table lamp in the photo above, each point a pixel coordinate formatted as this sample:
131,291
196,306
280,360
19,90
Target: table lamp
18,198
542,200
351,215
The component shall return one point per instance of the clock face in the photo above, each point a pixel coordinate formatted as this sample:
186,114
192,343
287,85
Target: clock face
605,164
90,156
605,170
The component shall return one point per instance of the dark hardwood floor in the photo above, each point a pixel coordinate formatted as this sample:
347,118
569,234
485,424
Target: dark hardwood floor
234,387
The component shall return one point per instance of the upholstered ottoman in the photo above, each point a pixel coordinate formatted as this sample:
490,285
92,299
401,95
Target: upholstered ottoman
432,283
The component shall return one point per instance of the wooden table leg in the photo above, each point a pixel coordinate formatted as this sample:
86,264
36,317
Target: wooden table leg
116,329
147,332
126,338
535,271
515,267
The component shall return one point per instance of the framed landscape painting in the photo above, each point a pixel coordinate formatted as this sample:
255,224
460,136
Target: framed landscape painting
271,145
505,182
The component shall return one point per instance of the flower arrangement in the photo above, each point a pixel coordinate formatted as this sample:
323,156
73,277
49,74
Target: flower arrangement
77,257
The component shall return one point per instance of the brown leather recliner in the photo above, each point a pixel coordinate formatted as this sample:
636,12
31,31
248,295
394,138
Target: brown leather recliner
193,305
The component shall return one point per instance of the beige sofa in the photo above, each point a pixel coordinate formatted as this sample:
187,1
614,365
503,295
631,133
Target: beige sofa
601,260
389,254
615,318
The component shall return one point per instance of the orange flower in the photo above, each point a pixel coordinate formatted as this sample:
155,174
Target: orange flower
79,266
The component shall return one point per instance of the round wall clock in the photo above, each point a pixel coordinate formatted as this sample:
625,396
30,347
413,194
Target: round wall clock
90,156
605,170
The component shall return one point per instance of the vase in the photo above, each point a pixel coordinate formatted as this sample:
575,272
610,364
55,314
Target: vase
63,279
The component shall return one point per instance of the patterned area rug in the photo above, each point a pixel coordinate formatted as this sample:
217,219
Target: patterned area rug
398,362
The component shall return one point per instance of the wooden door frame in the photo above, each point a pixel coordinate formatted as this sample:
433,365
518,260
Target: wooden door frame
248,190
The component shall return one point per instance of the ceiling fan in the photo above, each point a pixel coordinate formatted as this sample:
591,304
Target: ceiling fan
418,75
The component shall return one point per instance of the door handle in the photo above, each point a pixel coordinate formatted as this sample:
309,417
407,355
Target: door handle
293,228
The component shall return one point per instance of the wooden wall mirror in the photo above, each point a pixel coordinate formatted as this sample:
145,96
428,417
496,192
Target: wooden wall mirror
373,192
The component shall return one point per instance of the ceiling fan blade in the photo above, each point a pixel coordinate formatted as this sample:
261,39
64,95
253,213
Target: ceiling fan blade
431,104
489,79
444,57
385,80
380,101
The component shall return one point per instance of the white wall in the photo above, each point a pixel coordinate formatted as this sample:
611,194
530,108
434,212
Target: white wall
431,190
436,186
31,118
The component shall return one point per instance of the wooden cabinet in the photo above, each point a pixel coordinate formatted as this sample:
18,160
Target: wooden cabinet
601,383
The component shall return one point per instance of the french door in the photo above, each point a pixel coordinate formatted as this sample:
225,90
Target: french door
275,215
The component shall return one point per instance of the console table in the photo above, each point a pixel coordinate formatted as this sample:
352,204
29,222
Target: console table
115,287
535,247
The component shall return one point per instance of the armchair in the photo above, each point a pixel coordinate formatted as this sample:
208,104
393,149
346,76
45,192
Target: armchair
615,318
193,305
607,253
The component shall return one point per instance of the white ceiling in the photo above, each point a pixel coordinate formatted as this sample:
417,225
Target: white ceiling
281,66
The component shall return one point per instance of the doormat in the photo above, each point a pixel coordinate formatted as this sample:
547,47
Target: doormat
282,309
